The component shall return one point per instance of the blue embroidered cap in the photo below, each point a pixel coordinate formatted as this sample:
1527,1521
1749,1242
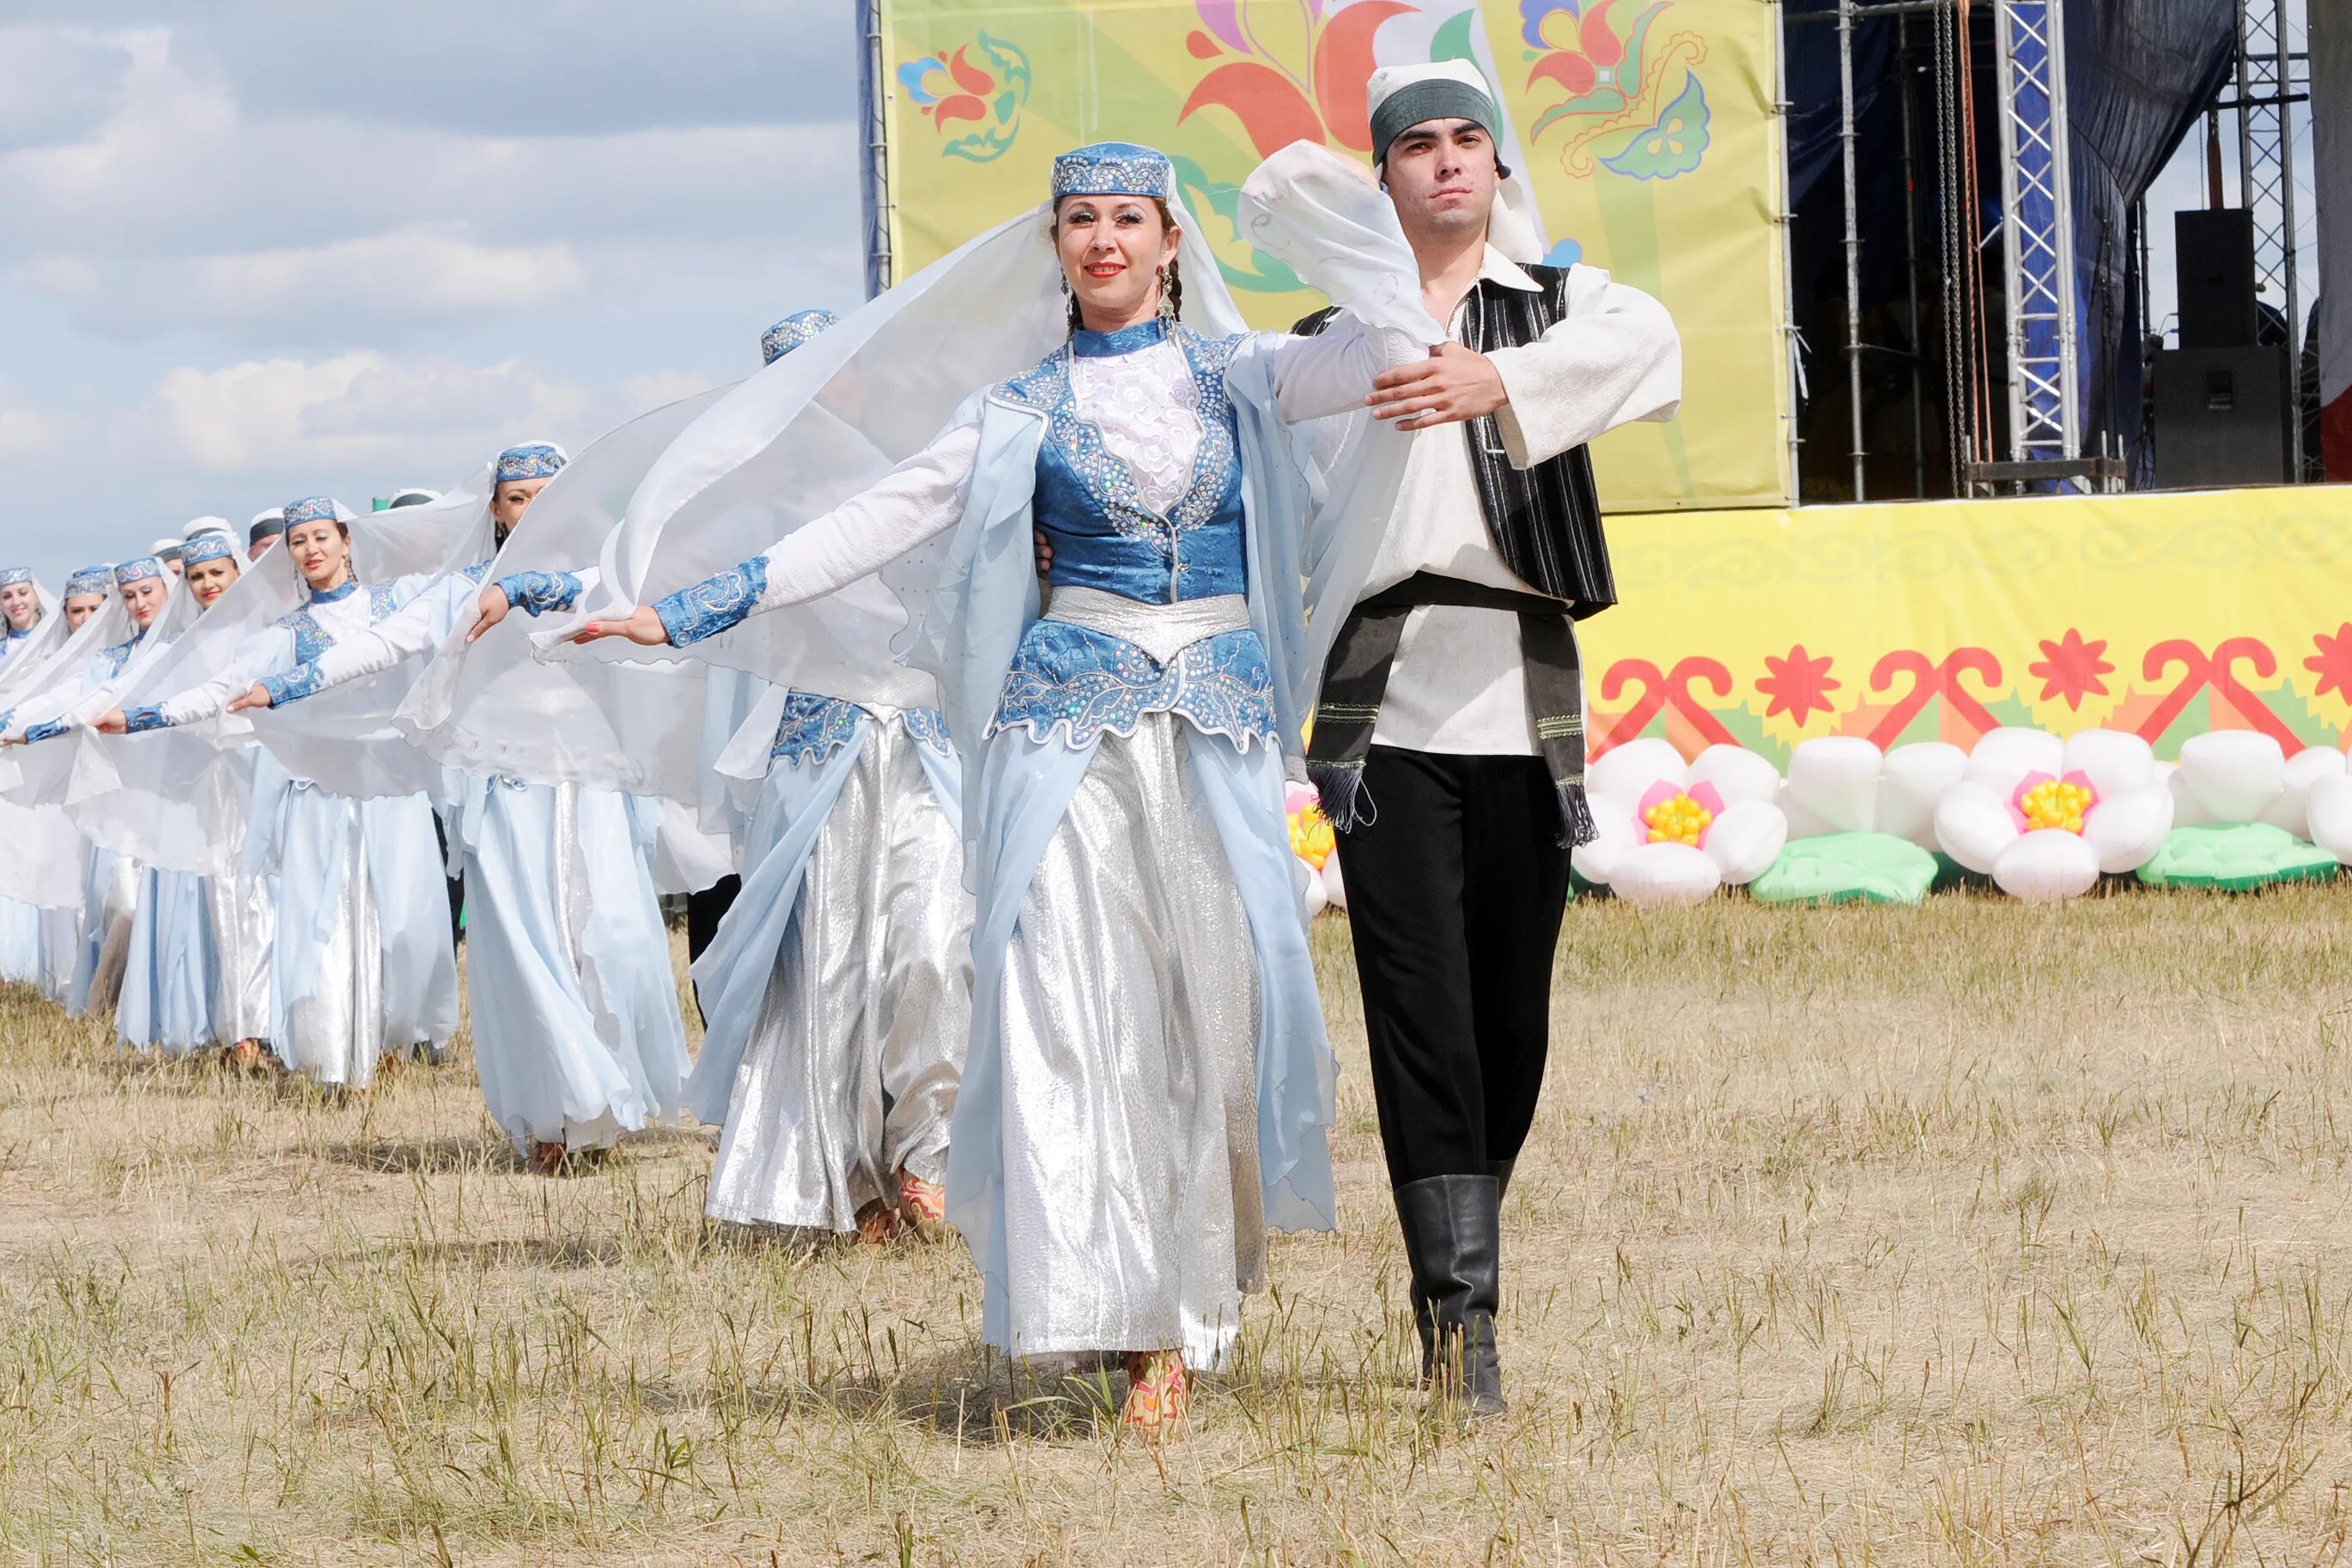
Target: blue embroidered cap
206,547
89,580
531,460
310,509
791,332
138,569
1115,169
12,576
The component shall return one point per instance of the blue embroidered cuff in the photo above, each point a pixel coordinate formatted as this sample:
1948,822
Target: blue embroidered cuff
48,731
291,686
139,721
714,605
537,593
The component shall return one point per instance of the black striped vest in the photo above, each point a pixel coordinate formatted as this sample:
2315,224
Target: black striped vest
1545,520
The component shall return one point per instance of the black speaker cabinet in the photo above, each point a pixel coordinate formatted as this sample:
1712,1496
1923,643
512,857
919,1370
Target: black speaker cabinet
2221,419
2216,251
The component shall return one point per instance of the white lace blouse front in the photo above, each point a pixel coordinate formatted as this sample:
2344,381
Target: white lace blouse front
1147,405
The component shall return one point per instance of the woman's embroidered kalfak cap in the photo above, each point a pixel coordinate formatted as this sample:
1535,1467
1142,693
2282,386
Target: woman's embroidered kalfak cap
531,460
1115,169
793,332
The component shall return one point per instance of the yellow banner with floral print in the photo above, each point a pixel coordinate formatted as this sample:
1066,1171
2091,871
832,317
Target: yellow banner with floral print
1646,128
2164,614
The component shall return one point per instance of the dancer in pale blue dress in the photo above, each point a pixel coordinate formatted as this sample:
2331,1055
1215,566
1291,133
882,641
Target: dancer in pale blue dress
53,871
837,990
113,884
190,971
577,1036
363,963
30,627
1148,1083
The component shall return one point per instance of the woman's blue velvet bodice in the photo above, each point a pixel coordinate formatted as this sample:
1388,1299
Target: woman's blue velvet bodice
1105,537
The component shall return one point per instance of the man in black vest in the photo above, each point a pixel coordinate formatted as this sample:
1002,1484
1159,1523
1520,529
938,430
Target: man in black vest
1449,740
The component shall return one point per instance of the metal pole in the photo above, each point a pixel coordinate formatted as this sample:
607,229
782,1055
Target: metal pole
1853,239
2245,122
1795,432
2293,281
1911,260
876,182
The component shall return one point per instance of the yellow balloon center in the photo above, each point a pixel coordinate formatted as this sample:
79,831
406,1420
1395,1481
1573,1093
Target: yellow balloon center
1681,820
1310,835
2053,803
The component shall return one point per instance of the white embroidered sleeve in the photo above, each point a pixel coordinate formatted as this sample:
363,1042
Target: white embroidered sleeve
920,498
1614,359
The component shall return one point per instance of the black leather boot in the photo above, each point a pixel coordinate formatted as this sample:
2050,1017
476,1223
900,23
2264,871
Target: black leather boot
1452,1242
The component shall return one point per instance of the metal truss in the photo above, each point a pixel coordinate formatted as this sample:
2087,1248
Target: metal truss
2272,76
2037,196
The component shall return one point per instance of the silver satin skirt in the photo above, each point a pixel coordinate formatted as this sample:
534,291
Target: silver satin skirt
336,1034
1133,1213
109,917
244,920
850,1072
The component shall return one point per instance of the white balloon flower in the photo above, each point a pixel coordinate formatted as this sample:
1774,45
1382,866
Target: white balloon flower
2044,817
1671,832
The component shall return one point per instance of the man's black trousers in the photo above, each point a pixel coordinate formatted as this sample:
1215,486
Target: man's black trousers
1455,891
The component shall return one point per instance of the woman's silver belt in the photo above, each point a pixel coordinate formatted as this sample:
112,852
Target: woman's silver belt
1163,631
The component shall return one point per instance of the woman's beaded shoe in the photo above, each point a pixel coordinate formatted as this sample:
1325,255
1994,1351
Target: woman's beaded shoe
1159,1390
922,1205
877,1223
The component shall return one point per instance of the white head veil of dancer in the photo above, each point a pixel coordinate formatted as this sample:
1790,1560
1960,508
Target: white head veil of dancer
158,797
489,708
43,865
47,636
828,420
41,773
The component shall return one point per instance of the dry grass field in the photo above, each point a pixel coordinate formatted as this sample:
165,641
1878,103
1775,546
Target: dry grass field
1975,1233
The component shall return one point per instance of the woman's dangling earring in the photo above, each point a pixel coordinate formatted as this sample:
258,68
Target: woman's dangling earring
1167,304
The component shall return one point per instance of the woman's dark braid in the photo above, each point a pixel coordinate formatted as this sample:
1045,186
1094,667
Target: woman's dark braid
1173,293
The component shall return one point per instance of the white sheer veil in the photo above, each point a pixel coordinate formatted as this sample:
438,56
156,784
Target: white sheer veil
827,421
345,741
49,635
489,708
160,796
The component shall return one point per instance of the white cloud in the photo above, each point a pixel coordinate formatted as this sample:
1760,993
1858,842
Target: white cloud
361,407
55,85
639,394
26,431
422,268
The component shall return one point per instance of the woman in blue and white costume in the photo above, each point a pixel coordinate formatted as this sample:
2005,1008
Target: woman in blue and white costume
33,878
172,980
1148,1083
146,615
364,963
838,988
25,607
577,1037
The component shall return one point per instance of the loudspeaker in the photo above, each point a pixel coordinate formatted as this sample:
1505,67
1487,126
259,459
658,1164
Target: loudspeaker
2221,419
2216,252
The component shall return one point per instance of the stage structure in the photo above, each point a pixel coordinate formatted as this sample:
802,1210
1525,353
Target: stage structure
2331,122
1906,242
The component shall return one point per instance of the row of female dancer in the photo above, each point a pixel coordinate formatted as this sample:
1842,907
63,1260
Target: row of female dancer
985,697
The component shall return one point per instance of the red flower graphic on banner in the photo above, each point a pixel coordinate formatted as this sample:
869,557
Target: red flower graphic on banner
1798,685
2333,663
2071,667
1303,72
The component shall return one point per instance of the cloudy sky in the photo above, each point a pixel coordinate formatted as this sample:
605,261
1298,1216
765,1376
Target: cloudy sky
255,249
